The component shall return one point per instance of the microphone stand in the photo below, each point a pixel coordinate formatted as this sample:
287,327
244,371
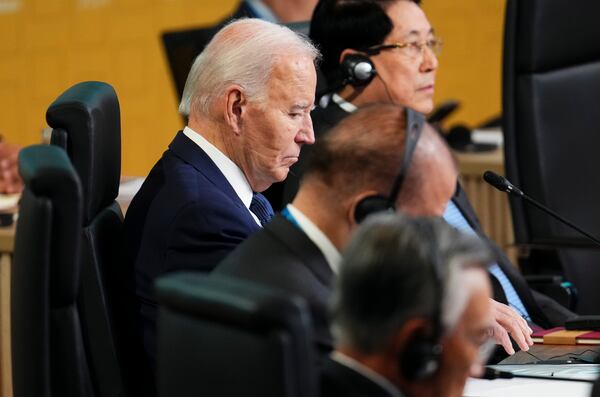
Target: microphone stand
504,185
556,216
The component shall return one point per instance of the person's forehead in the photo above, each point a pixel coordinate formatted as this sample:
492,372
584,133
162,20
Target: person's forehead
408,19
292,66
293,76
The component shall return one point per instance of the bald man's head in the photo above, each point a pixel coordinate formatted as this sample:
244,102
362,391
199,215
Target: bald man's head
364,152
431,180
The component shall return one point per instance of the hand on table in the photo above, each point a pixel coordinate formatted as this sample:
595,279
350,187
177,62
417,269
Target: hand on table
508,323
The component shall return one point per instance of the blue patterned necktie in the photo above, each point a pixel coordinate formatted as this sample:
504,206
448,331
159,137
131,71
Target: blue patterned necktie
261,207
455,218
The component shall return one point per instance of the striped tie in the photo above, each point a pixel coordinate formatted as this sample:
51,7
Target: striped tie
261,207
455,218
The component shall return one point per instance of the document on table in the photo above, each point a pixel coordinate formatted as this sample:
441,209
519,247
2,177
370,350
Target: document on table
540,387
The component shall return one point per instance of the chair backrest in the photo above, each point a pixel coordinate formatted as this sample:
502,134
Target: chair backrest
224,337
551,122
48,348
86,123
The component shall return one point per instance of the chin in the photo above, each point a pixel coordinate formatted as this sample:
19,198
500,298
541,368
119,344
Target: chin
280,174
424,108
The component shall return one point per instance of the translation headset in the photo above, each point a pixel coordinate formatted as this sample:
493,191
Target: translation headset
420,359
358,70
380,203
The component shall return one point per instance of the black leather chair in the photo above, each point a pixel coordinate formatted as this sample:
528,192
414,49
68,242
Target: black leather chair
551,123
86,123
223,337
49,356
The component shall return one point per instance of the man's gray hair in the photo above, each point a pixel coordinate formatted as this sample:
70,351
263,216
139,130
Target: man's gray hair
244,52
387,277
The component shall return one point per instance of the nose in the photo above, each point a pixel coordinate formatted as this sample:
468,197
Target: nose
306,134
429,63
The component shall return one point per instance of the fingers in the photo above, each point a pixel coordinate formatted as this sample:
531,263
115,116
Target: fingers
500,336
514,324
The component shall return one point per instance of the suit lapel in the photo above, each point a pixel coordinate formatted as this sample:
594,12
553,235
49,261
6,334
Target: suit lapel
187,150
302,247
464,206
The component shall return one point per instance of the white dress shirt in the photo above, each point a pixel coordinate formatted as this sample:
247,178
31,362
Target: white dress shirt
228,168
330,252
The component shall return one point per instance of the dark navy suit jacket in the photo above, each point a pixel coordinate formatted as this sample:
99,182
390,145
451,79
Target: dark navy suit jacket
186,216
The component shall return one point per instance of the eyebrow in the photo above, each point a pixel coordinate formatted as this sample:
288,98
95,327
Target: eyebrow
303,106
417,33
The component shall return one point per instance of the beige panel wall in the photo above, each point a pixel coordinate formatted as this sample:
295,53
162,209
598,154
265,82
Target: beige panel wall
48,45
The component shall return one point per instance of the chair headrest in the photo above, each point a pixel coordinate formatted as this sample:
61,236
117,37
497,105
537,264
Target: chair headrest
48,174
86,122
227,300
555,34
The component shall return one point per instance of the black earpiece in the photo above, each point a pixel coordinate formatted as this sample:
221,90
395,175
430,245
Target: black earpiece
358,70
371,205
380,203
421,357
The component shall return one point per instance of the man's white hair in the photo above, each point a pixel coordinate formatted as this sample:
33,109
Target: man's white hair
244,52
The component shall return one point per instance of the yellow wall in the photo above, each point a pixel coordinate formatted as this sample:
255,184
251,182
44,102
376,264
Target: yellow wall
48,45
471,62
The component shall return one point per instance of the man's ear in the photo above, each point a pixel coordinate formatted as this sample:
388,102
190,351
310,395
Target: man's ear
351,209
411,331
346,52
235,107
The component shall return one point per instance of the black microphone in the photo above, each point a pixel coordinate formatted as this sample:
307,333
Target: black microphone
491,374
504,185
501,183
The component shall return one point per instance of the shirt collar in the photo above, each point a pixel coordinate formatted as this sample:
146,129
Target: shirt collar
228,168
330,252
261,11
365,371
344,104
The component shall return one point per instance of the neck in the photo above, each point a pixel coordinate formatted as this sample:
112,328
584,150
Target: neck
210,130
315,204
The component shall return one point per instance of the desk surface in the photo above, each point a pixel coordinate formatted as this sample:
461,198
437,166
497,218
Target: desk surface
546,352
534,387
